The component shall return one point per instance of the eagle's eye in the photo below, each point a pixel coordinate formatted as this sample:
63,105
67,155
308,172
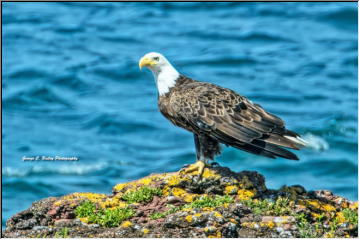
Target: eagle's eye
156,59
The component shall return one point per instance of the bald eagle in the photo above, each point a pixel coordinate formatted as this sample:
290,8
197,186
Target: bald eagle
218,115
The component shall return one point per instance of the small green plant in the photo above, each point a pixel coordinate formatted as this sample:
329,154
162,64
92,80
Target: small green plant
172,209
351,216
320,217
112,217
319,224
306,230
103,217
333,225
63,233
207,201
277,208
143,194
281,206
155,216
85,209
41,235
258,207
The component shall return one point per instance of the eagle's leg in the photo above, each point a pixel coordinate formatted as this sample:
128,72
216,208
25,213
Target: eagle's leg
206,149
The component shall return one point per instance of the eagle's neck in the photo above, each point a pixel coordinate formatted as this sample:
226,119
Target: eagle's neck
165,78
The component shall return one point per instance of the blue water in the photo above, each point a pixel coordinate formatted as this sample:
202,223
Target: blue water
71,87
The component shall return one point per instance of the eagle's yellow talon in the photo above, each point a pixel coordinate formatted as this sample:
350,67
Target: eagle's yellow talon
198,166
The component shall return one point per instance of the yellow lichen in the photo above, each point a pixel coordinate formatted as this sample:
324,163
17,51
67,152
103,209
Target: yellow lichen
217,235
120,187
174,180
84,219
113,202
233,220
141,182
94,197
197,214
250,224
329,235
217,214
189,218
210,174
316,204
165,191
229,190
179,192
328,208
189,197
247,224
126,224
145,231
58,203
245,194
145,181
207,209
354,206
210,229
187,209
270,224
340,218
344,204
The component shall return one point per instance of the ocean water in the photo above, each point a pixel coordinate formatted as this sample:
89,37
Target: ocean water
72,88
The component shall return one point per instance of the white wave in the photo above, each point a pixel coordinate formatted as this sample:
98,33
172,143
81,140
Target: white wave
70,169
315,142
63,169
13,172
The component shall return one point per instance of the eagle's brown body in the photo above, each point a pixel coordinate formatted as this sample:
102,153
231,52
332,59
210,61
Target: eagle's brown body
219,115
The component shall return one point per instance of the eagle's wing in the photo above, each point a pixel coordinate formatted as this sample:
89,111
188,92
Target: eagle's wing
234,120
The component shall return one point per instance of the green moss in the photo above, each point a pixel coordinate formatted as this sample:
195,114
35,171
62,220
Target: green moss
155,216
40,235
172,209
306,230
103,217
143,194
111,217
265,207
317,229
85,209
333,225
351,216
207,201
204,201
63,233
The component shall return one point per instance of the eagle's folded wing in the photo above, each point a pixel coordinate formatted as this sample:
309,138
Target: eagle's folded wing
236,121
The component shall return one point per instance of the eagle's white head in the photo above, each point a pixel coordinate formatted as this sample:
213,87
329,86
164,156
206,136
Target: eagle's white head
164,73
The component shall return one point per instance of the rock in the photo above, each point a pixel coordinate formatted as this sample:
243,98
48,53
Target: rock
174,200
172,205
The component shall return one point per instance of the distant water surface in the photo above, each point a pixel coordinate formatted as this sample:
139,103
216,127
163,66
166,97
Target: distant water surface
72,87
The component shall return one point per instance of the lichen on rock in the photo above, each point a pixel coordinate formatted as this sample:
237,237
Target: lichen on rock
220,204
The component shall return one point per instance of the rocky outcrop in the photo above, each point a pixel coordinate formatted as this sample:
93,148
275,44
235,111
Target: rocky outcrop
220,204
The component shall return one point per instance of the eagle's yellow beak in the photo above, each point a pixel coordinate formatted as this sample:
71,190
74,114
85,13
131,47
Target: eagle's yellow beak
146,62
